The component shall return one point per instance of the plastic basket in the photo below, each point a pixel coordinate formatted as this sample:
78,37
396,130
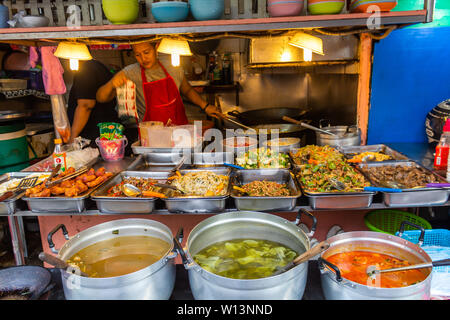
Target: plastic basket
389,221
435,237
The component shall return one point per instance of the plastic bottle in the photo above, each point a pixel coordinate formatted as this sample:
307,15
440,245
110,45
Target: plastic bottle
226,69
217,70
59,156
442,149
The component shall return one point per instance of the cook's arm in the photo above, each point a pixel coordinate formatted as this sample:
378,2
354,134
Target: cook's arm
81,116
193,96
107,92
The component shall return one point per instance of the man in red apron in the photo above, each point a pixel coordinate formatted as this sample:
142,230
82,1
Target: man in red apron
157,90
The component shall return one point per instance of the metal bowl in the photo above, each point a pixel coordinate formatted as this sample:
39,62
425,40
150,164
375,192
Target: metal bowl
33,22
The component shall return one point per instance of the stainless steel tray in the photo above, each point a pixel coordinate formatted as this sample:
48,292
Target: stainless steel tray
62,204
282,176
350,150
334,200
138,149
410,197
158,161
108,204
296,166
195,204
9,206
212,159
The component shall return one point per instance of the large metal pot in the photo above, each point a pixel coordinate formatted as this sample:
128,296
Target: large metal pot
346,136
247,225
337,288
155,282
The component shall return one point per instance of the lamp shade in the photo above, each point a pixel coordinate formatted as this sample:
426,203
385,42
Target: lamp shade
72,50
306,41
178,47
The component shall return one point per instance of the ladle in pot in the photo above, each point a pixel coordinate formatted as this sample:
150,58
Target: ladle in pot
308,126
60,264
318,249
372,270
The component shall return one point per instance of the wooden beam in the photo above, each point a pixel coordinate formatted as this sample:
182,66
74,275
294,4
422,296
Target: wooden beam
365,70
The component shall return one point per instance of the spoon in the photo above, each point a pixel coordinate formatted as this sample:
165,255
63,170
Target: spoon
131,190
372,270
337,184
319,248
60,264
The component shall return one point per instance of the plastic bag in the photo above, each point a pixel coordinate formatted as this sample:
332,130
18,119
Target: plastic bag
60,118
17,18
79,158
126,100
440,279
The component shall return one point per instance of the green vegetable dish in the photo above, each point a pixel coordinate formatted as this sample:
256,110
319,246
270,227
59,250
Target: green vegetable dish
263,158
244,258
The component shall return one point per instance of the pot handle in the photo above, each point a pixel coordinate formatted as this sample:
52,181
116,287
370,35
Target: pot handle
51,233
314,221
422,231
322,261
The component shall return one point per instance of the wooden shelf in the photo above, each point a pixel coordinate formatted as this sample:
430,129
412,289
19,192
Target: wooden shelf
120,33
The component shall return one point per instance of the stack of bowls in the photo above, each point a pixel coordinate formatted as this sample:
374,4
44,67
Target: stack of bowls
361,6
325,6
207,9
284,8
170,11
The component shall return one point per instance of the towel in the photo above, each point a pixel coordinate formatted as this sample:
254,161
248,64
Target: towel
52,72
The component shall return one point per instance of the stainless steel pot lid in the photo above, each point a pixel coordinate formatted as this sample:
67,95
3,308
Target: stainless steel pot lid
11,115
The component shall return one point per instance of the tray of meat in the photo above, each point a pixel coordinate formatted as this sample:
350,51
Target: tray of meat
69,195
419,186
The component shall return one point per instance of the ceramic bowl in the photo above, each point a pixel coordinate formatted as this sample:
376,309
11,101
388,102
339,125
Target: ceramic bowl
325,6
284,8
170,11
361,6
207,9
121,11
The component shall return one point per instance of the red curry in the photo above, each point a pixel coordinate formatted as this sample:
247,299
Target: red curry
353,266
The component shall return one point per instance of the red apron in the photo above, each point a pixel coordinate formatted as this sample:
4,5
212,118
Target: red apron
163,100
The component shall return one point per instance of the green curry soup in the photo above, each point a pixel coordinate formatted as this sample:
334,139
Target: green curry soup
244,258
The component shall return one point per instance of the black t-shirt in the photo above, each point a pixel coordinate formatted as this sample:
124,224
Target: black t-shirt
87,80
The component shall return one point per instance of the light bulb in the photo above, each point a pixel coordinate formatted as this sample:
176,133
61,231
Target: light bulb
175,59
286,56
307,55
73,64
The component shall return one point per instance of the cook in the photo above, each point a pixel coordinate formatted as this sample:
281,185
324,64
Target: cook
158,88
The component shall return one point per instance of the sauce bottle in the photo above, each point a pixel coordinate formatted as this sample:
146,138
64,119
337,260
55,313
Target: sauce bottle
59,156
442,149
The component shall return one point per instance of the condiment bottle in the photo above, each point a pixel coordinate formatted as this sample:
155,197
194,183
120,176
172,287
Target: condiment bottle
442,149
59,156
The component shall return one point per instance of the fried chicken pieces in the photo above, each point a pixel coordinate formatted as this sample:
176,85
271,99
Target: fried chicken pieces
72,187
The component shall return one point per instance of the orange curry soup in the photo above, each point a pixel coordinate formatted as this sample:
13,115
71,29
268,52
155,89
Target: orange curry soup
353,266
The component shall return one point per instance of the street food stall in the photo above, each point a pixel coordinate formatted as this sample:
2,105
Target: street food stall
271,200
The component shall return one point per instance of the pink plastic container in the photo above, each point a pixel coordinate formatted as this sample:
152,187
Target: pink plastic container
284,8
112,150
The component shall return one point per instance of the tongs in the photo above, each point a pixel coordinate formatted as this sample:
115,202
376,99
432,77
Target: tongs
68,177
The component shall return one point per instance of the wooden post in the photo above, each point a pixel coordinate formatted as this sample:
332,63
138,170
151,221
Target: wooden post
365,69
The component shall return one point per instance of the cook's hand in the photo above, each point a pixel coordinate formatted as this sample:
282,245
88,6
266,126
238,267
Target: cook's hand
119,79
213,111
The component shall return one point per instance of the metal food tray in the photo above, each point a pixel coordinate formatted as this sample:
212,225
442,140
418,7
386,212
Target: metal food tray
297,166
349,150
138,149
109,204
9,206
212,159
196,204
158,161
62,204
253,203
410,197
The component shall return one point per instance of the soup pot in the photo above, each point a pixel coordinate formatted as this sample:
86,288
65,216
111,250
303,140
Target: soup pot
346,136
335,287
206,285
155,282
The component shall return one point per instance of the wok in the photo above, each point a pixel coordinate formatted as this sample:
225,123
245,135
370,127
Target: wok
24,282
267,116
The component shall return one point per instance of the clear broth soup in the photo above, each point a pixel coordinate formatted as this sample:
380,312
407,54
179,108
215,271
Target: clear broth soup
119,256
